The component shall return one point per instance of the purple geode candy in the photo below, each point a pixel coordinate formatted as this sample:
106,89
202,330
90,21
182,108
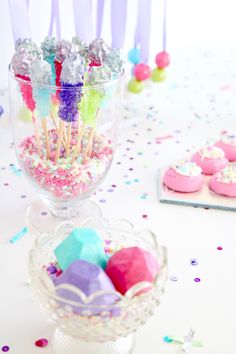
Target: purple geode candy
26,52
71,83
89,278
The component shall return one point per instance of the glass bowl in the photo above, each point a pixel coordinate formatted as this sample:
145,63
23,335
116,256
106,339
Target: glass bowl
111,329
65,139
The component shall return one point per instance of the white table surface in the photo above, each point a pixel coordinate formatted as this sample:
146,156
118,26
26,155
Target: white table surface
194,104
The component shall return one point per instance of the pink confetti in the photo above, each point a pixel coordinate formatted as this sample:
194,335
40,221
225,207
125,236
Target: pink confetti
159,138
41,343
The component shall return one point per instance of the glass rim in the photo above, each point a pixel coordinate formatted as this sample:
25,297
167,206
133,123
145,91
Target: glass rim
105,84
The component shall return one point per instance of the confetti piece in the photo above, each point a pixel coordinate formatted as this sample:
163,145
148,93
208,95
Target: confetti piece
197,280
172,278
19,235
5,348
193,262
164,137
16,170
41,343
186,341
167,339
220,248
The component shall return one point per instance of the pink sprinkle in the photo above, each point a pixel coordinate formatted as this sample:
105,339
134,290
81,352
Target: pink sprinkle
164,137
144,216
58,273
41,343
220,248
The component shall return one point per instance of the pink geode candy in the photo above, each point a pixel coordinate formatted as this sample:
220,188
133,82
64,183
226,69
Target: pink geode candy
130,266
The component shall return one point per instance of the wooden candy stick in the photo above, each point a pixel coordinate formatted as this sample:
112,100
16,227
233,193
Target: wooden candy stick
57,129
60,136
68,139
78,145
47,141
88,149
36,132
91,136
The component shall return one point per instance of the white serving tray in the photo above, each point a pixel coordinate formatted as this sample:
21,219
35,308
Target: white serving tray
204,198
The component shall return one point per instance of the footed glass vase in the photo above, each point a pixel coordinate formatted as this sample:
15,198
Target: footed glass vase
85,325
65,140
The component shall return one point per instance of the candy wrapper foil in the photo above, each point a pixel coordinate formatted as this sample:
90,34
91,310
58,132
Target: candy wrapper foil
26,51
49,47
114,62
63,50
99,74
72,69
80,47
40,73
98,50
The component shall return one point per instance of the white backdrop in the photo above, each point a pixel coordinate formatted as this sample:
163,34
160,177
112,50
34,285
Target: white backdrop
190,23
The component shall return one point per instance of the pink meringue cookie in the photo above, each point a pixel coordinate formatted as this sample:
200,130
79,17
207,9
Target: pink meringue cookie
184,177
224,182
227,143
211,159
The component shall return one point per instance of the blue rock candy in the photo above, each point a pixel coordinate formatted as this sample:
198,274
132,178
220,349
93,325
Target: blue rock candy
82,243
40,75
89,278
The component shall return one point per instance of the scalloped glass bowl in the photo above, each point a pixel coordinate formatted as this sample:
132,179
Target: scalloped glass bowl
110,331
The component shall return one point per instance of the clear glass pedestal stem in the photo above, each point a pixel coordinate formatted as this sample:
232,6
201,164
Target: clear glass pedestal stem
41,219
63,343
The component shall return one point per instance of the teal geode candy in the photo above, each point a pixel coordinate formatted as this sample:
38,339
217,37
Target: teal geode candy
82,243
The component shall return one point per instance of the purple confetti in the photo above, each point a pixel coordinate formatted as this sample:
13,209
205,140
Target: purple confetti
194,262
197,280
